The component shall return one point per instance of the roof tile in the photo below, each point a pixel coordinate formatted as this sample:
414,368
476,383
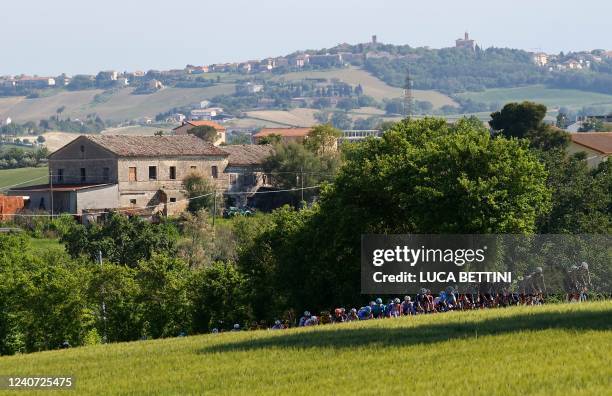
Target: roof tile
156,146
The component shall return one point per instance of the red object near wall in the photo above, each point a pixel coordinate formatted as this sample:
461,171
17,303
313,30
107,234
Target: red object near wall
9,206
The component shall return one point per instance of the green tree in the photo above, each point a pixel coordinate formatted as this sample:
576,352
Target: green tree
219,298
341,120
293,161
59,112
526,120
164,294
271,139
562,120
200,191
518,119
115,286
322,139
592,125
422,176
121,239
582,201
205,132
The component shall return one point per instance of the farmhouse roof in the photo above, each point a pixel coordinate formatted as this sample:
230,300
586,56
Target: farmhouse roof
598,141
247,154
156,146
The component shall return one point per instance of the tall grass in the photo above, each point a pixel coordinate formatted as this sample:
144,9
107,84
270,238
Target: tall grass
557,349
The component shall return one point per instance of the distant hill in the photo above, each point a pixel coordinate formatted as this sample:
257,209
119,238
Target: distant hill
119,105
446,82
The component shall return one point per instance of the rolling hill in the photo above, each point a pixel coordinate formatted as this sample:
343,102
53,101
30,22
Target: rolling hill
372,86
552,350
117,106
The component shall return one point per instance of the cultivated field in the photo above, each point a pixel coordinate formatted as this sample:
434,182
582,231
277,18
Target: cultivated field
372,86
137,130
118,106
550,350
56,140
9,177
305,117
550,97
295,117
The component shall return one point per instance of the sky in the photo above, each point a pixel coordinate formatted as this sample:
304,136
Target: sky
48,37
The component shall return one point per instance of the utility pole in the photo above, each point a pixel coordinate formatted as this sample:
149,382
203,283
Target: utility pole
302,181
51,189
214,207
408,99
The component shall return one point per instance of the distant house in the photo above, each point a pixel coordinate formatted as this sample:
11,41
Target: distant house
176,117
35,82
206,114
573,65
249,88
287,134
154,85
299,60
325,60
465,42
188,125
540,59
596,145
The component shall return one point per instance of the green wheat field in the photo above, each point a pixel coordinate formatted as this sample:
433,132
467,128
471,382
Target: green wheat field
549,350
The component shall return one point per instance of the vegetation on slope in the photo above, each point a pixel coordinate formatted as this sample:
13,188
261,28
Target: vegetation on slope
552,350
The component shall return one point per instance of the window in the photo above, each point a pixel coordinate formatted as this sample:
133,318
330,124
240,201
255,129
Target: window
132,174
105,174
232,178
83,175
82,148
214,172
172,199
152,172
172,172
60,176
132,201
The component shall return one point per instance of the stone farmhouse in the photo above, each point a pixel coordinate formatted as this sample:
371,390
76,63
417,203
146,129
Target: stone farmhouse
99,172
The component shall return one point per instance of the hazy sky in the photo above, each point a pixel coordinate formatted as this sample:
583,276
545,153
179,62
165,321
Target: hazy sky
85,36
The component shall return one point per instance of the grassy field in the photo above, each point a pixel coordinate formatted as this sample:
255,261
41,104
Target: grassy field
550,97
551,350
118,106
372,86
9,177
43,245
5,147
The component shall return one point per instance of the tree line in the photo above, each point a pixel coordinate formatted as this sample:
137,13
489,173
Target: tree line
182,276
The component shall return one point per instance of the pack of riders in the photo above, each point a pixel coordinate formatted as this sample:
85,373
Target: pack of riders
531,291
